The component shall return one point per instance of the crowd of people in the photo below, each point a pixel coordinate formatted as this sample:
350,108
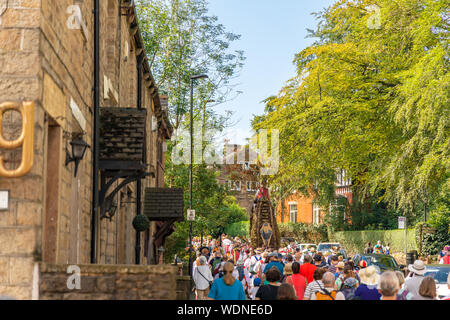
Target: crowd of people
230,269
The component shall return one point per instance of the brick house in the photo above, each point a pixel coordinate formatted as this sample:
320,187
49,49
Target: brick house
240,174
47,53
298,208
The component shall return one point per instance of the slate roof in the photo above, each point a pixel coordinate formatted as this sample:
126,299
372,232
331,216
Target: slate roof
162,204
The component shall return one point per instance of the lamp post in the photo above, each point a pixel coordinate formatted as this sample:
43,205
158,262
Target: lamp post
201,76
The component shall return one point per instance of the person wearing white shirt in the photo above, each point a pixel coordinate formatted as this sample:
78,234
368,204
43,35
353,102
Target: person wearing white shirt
202,277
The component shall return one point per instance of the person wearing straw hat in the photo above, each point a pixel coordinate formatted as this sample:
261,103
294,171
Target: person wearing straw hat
417,271
368,290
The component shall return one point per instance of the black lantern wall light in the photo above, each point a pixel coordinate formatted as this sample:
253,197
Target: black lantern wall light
79,147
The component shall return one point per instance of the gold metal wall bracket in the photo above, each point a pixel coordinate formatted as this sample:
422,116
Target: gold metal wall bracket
26,139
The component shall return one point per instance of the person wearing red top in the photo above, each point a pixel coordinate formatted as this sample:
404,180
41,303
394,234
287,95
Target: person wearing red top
297,280
307,269
446,258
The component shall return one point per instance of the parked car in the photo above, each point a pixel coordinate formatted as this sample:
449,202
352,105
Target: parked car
306,246
440,273
327,246
381,262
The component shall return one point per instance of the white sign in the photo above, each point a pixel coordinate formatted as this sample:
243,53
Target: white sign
402,222
191,215
4,200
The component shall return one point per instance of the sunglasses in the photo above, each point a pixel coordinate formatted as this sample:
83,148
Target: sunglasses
228,271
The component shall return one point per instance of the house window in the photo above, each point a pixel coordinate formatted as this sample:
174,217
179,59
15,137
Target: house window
293,212
237,185
316,213
246,166
341,179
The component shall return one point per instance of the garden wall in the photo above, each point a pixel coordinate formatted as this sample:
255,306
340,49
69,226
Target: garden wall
111,282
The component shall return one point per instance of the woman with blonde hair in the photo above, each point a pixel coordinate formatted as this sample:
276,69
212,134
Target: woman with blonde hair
227,287
368,289
403,293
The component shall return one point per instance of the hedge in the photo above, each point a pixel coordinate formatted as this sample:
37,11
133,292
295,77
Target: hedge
302,232
355,241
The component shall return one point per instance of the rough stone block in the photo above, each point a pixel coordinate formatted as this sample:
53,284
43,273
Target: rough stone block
8,218
17,241
29,213
10,39
18,89
19,63
30,40
16,292
22,18
106,284
21,271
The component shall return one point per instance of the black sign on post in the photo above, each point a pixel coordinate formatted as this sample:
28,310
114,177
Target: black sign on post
163,204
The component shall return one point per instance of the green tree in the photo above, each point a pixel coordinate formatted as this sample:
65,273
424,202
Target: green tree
182,40
370,100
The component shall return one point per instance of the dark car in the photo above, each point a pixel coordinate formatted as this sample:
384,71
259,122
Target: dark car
381,262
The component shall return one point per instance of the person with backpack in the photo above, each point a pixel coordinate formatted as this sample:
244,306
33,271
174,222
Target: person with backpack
328,291
314,286
203,279
349,287
227,287
215,261
254,259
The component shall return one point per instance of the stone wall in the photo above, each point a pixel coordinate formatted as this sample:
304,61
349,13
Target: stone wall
107,282
20,80
46,61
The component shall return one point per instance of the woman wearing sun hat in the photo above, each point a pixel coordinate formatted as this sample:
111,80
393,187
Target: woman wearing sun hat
369,281
417,271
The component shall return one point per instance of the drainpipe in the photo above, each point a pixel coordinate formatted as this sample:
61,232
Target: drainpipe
96,133
139,60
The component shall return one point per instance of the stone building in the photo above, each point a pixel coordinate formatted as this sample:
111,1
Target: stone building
240,173
48,53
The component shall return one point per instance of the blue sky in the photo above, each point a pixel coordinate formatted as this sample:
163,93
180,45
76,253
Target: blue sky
272,33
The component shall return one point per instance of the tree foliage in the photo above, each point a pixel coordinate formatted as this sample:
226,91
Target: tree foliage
372,101
182,40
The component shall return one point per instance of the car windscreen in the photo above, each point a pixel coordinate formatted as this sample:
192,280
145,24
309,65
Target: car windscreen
439,274
327,246
386,261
